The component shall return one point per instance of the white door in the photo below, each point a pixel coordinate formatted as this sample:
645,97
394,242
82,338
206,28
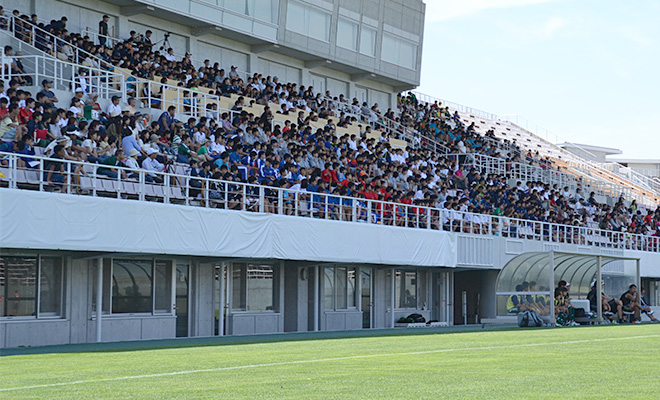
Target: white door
319,84
361,94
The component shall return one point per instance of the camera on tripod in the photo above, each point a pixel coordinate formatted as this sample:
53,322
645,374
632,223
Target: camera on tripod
166,42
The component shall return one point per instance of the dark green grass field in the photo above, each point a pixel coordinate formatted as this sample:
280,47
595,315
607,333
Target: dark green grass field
571,363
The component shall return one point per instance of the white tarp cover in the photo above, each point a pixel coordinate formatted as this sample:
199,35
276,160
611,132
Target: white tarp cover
37,220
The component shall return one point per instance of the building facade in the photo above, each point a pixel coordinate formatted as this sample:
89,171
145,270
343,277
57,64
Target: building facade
367,49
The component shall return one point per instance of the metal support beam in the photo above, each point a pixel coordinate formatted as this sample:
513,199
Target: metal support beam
99,298
552,287
392,295
223,302
205,30
599,283
317,278
129,11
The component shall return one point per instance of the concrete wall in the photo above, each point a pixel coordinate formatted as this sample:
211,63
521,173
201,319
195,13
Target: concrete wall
341,320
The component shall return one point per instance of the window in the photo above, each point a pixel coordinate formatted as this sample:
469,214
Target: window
163,287
135,286
339,288
255,287
308,21
347,34
31,286
264,10
399,52
410,289
131,286
368,41
50,287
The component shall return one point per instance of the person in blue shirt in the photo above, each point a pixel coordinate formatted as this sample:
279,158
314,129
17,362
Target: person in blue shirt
166,121
129,142
28,149
267,172
223,160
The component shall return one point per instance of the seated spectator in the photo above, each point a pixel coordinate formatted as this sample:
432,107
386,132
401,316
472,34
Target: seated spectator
631,302
151,164
514,303
646,309
10,130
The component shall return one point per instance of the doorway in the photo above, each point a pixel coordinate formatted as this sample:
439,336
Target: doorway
319,83
366,283
182,296
441,303
361,94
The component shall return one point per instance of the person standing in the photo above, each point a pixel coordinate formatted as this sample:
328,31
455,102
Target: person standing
103,30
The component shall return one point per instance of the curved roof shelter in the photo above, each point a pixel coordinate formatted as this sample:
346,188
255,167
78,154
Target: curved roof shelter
578,269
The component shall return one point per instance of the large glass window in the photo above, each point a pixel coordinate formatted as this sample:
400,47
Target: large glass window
28,289
50,286
131,286
254,287
134,286
368,41
410,289
163,287
329,288
399,52
308,21
347,34
20,286
264,10
339,288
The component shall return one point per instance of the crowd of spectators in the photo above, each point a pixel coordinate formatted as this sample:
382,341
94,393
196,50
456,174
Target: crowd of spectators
243,147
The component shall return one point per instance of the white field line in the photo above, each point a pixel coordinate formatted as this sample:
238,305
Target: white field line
196,371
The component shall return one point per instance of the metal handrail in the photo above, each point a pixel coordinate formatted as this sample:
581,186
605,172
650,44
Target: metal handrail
168,187
64,73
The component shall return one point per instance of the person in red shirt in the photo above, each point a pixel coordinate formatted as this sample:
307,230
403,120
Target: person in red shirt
329,174
3,107
25,113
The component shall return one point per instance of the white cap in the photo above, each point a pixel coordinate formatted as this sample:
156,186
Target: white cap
151,151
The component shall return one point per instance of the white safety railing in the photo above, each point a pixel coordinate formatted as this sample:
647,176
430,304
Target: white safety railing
75,177
44,41
65,75
424,98
485,164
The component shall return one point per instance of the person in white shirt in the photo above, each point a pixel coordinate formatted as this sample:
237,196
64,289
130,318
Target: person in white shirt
151,164
218,147
170,55
114,109
76,108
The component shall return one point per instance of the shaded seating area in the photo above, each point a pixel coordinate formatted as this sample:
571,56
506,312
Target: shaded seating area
531,279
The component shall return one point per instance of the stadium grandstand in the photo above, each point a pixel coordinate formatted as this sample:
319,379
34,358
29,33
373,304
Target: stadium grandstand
267,167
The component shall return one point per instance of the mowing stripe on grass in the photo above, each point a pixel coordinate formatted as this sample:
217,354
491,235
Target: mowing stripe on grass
237,367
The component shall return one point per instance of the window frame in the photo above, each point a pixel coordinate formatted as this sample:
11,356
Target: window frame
307,8
356,39
38,315
372,54
421,289
397,50
346,286
244,283
108,283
